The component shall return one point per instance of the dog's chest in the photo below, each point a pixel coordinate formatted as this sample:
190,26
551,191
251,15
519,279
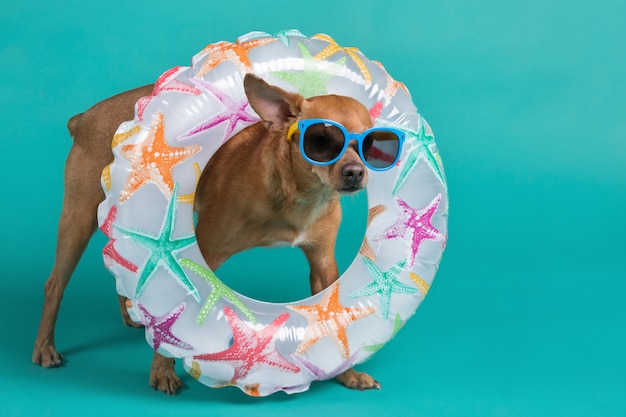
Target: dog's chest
299,239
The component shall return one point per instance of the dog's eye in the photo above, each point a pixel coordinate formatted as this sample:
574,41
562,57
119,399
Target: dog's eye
319,142
323,143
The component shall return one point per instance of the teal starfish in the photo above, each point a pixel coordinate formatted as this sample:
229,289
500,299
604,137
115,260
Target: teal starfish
282,35
385,284
220,290
397,325
163,250
313,80
419,143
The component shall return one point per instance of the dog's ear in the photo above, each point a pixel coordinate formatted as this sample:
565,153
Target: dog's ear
274,105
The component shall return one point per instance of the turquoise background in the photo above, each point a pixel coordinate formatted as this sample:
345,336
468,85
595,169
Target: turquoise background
528,104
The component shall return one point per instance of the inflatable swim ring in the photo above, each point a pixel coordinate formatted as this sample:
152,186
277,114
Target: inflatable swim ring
223,337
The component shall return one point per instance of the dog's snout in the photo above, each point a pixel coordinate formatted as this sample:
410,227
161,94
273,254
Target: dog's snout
353,173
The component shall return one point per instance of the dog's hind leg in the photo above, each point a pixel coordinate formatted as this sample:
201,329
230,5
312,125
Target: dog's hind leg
163,375
76,226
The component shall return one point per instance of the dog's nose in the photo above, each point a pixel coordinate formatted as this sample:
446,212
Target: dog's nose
353,173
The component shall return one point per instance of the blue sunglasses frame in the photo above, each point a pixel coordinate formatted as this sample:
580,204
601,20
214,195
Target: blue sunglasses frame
302,125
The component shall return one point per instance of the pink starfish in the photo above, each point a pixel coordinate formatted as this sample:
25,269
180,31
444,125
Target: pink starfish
414,226
251,349
109,252
161,327
166,82
234,113
376,110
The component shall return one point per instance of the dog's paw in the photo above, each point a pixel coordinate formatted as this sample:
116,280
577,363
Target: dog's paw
47,356
163,376
357,380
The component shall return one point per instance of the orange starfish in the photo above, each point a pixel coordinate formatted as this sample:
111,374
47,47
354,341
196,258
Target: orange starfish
234,52
366,249
329,318
392,85
334,47
153,160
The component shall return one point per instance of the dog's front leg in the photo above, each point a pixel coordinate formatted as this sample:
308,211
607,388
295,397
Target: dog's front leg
323,267
323,273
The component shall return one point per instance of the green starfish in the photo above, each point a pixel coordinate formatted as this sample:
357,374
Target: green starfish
163,250
313,80
385,284
397,325
220,290
419,143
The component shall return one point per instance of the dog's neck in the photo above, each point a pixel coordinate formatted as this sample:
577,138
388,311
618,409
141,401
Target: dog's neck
295,187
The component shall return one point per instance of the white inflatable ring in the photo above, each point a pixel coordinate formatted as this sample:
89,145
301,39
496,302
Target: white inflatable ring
225,338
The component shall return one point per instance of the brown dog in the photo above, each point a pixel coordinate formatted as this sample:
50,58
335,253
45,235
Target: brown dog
293,201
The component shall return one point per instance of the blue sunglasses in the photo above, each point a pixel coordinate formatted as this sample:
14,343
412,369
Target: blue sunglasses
323,142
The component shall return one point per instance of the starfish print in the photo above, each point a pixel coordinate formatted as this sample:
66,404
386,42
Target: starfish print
419,147
366,249
313,80
282,35
163,250
318,373
392,85
421,284
109,252
251,349
397,325
376,110
122,137
333,48
154,161
414,226
189,198
237,53
166,82
118,139
219,291
161,327
106,177
234,113
329,318
195,370
384,284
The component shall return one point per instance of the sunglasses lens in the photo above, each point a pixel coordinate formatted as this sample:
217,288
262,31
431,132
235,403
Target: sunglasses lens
323,142
381,148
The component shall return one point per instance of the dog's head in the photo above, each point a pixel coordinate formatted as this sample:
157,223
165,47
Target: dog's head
280,109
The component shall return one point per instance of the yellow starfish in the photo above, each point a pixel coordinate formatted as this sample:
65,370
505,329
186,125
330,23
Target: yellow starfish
188,198
334,47
106,177
329,318
195,370
153,161
421,284
120,138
